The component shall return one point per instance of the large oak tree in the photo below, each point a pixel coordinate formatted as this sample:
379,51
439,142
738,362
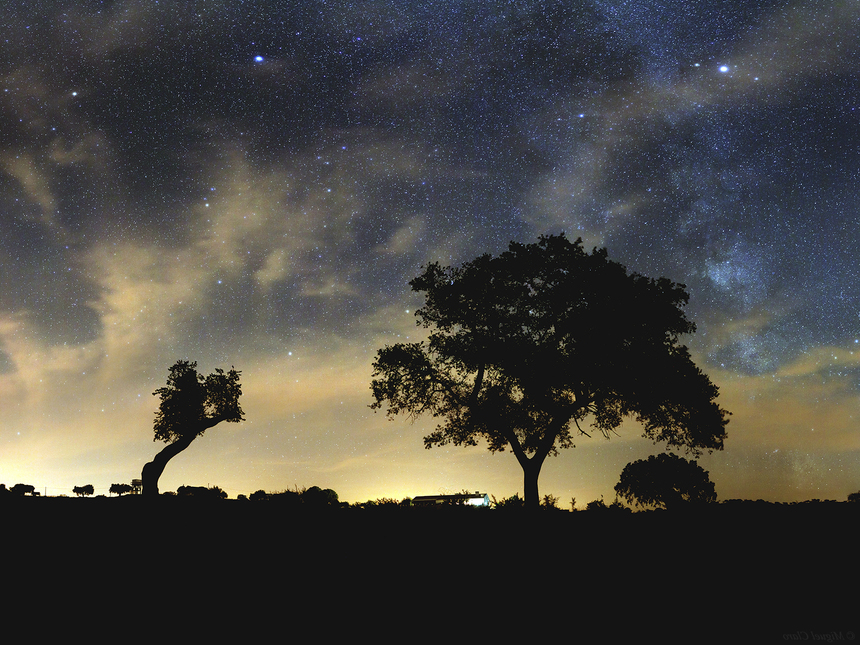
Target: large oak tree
190,405
526,348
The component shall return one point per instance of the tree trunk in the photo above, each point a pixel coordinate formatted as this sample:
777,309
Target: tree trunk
531,468
152,471
531,472
531,465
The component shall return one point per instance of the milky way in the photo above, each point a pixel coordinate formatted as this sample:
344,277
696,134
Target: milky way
240,183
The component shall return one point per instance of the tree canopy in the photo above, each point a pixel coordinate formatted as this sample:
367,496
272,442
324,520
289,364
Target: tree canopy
120,489
80,491
527,347
23,489
189,405
665,481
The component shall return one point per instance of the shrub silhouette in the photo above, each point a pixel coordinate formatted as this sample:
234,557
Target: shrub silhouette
665,481
316,497
550,503
23,489
201,492
600,506
514,502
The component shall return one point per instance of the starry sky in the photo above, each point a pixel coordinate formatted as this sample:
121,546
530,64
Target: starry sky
254,184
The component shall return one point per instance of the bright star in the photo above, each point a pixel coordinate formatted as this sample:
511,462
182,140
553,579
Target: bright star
724,68
258,59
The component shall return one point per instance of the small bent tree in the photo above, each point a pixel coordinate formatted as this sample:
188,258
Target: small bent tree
665,481
527,346
190,404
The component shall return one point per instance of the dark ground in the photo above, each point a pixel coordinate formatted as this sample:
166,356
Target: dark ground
735,573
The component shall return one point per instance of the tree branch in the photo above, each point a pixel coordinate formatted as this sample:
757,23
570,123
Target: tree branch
479,381
515,445
581,431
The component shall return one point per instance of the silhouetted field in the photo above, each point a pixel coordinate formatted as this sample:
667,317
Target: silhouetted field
757,571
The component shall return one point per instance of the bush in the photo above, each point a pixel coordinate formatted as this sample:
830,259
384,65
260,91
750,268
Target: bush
600,505
510,503
665,481
23,489
317,497
201,492
550,503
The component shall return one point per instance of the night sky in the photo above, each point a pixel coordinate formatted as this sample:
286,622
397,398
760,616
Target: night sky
254,184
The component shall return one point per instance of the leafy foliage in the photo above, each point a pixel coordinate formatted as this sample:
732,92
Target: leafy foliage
600,506
550,503
513,502
120,489
526,346
317,497
202,492
80,491
383,503
665,481
23,489
191,403
313,497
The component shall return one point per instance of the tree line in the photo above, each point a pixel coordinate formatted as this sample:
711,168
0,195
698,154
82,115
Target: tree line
661,482
523,350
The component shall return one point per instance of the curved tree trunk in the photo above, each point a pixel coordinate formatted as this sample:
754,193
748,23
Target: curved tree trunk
152,471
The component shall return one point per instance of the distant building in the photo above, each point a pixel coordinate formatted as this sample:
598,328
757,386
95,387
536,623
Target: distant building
136,486
459,499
